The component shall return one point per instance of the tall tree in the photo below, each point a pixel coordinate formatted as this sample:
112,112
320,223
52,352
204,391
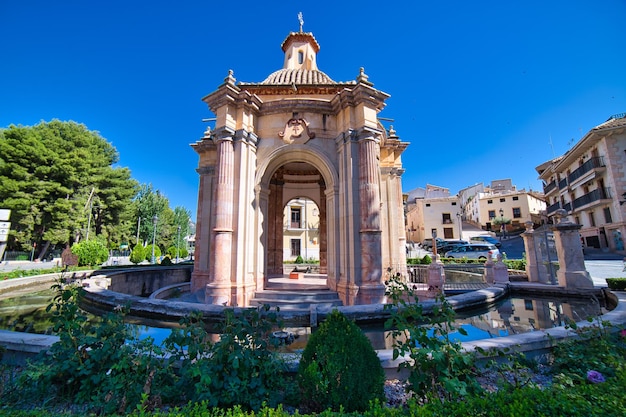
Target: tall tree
148,204
47,173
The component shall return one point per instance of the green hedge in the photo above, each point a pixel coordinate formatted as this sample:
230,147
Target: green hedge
616,284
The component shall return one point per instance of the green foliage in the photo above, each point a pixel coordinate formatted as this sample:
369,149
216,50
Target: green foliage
426,260
138,254
242,368
182,252
299,260
91,252
166,261
438,368
101,364
157,252
47,174
339,368
616,284
596,348
515,264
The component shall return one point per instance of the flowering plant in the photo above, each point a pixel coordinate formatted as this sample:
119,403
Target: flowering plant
595,377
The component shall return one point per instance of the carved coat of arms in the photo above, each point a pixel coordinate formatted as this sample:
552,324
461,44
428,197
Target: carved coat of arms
295,130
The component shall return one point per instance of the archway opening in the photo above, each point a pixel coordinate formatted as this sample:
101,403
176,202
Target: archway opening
296,218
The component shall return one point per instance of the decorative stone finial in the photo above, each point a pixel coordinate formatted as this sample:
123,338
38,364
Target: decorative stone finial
363,78
230,79
529,226
301,20
561,216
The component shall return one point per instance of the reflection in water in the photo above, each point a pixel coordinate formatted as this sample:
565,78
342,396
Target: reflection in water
27,313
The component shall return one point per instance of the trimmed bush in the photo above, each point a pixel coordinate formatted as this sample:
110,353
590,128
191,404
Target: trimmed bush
138,254
299,260
91,252
339,368
426,260
166,261
157,252
616,284
182,252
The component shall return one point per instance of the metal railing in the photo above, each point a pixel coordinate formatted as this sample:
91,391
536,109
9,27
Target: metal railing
549,187
593,163
595,195
562,183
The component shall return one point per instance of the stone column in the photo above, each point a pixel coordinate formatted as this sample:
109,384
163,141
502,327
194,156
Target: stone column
535,269
200,276
488,274
436,279
275,227
323,233
218,291
371,289
572,272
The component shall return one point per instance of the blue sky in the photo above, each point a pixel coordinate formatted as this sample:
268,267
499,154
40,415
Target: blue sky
481,90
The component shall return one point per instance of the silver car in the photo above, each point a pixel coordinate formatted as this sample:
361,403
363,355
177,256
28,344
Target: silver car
474,251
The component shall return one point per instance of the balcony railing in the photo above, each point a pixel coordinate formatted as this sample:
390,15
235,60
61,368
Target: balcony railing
447,221
549,187
593,196
567,207
562,183
593,163
554,207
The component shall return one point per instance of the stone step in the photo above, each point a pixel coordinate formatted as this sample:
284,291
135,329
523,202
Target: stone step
296,300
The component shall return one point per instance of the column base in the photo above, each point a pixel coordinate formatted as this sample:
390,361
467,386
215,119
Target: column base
575,279
218,294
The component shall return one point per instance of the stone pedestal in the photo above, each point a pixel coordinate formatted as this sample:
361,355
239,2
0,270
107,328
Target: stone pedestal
436,279
500,272
572,272
535,269
488,274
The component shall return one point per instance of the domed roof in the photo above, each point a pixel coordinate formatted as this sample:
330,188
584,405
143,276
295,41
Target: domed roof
297,76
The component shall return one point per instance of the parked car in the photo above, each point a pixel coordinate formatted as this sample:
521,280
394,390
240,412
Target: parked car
486,239
473,251
428,243
450,244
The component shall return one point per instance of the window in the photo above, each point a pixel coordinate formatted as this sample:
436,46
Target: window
433,232
592,219
448,233
502,200
489,201
607,215
300,57
295,247
295,217
515,198
454,203
492,214
517,212
427,204
446,219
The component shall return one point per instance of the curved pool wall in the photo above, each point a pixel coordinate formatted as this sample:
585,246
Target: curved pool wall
20,346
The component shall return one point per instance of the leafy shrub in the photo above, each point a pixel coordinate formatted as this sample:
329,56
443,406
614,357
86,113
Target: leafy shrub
515,264
166,261
182,252
339,367
242,368
616,284
138,254
413,261
438,367
99,364
299,260
91,252
426,260
157,252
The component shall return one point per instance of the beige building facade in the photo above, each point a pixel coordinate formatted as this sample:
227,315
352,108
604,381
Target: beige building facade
589,183
298,135
301,220
432,211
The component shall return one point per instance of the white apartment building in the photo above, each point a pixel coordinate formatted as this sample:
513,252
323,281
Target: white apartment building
589,183
432,210
301,220
501,201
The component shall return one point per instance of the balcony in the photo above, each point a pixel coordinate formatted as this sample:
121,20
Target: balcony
550,187
562,183
446,221
592,164
554,207
591,197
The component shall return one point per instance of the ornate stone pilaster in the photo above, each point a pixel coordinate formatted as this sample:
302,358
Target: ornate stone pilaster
322,231
218,291
535,270
275,226
200,276
371,287
572,272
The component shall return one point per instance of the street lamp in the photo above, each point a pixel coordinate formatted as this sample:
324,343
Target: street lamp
177,242
458,215
502,227
154,223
